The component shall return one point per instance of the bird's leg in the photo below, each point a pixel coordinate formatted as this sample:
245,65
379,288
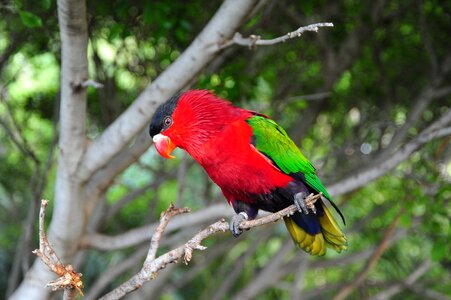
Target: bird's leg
235,222
304,203
244,211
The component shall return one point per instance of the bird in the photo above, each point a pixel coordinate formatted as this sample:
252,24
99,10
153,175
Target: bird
253,161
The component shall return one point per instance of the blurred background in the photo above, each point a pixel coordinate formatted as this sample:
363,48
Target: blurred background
358,99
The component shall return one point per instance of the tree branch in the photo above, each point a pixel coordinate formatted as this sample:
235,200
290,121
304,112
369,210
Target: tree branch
271,272
274,217
141,234
201,51
435,130
371,263
256,40
69,279
407,283
156,238
152,264
113,272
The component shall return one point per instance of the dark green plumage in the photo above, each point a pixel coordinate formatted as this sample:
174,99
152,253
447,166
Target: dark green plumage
272,140
311,232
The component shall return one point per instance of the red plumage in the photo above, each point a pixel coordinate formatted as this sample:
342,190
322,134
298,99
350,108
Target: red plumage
226,153
224,141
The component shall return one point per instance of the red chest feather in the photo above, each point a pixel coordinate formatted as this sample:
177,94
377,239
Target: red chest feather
237,167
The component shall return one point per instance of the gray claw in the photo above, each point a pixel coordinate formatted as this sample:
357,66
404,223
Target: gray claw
304,203
299,201
235,222
313,208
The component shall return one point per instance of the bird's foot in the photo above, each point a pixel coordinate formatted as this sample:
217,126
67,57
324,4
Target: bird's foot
235,222
304,203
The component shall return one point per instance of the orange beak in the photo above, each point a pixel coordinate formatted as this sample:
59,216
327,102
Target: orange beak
164,145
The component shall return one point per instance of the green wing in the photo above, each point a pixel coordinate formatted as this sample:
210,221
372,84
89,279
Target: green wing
272,140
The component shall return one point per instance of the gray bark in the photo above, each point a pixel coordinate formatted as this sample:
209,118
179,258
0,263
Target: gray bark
68,219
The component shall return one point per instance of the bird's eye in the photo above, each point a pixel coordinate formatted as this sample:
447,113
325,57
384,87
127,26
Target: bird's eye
167,121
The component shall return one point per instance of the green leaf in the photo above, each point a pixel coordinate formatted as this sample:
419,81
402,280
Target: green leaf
46,4
439,250
30,20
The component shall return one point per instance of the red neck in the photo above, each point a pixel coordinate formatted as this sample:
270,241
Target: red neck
199,117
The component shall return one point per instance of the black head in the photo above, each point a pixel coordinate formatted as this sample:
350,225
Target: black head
160,118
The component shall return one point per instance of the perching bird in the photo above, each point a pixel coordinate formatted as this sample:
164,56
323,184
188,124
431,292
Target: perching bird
253,161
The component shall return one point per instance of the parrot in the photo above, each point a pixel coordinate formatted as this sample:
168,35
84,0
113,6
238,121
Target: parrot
253,161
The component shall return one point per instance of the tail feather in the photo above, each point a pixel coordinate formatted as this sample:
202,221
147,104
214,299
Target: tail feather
311,243
333,235
302,230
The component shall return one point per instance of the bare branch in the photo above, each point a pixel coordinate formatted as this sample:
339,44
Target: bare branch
425,292
201,51
271,272
407,283
292,265
371,263
141,234
164,220
153,265
436,130
443,92
256,40
288,211
113,272
296,289
233,272
69,279
92,83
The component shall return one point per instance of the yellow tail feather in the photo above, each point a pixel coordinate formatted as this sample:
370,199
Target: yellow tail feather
313,244
330,235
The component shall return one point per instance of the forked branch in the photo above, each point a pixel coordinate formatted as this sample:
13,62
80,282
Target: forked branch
152,264
69,279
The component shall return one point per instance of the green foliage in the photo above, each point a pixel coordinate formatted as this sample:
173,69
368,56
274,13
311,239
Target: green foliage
30,20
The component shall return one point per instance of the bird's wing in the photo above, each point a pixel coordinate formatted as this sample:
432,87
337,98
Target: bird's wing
271,140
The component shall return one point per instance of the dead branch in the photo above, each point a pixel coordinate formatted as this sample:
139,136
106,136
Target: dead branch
256,40
69,279
152,264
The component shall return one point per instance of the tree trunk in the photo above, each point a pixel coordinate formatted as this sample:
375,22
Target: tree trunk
68,219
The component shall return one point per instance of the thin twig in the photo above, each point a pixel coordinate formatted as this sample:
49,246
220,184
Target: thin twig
288,211
69,279
256,40
165,217
152,264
